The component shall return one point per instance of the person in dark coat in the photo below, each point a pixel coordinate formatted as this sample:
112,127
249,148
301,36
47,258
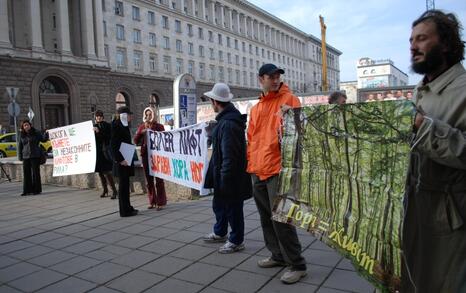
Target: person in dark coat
29,153
104,161
227,171
434,226
156,193
121,134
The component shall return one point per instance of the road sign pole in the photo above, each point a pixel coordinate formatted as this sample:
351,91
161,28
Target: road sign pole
17,138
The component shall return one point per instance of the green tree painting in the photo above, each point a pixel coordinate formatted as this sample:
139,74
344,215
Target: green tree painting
342,179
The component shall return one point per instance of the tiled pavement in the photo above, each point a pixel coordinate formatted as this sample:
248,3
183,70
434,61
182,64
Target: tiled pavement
70,240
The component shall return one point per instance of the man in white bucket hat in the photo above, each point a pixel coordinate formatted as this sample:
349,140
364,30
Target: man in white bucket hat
227,171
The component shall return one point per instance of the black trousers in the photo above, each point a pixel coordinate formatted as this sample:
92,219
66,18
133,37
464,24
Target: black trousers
31,176
123,191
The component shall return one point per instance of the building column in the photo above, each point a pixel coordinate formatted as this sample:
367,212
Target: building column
63,27
192,8
87,28
222,16
36,26
230,18
237,22
201,9
4,25
211,11
99,29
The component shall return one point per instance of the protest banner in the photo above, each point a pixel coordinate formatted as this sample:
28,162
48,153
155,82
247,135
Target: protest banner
74,149
342,179
179,155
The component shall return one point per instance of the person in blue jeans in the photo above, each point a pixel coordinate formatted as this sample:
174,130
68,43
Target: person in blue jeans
227,171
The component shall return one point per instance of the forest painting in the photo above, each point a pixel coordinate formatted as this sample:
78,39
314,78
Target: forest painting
342,179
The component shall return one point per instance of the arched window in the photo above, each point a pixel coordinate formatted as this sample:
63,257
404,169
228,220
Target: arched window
154,101
120,100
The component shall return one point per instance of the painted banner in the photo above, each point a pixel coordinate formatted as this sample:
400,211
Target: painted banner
74,149
342,179
179,155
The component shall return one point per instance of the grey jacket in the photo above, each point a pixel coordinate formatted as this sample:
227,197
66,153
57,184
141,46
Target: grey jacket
434,231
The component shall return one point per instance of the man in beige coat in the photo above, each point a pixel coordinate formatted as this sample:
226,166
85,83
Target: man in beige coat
434,232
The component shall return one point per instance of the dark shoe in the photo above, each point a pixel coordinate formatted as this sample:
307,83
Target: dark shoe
36,193
130,214
113,196
24,194
104,193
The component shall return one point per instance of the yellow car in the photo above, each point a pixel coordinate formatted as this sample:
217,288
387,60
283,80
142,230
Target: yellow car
8,145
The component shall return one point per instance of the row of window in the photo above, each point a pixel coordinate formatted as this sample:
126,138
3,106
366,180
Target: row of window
151,19
121,62
152,41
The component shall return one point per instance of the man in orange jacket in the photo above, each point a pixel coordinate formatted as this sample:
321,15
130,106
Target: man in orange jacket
264,163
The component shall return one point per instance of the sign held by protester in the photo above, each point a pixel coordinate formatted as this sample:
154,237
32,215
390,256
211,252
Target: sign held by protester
179,155
342,179
74,149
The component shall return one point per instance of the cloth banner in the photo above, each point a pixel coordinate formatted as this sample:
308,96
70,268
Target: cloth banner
342,179
179,155
74,149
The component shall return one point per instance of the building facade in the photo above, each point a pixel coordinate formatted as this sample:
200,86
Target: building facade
71,57
351,90
379,74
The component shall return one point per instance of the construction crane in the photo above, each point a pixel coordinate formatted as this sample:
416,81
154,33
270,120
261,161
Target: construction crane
430,4
323,29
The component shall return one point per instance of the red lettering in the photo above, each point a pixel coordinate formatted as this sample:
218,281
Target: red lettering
161,164
196,171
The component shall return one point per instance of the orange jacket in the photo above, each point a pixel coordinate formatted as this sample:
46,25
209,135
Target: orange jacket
264,158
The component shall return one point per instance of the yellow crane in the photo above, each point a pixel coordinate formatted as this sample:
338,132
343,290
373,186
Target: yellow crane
323,29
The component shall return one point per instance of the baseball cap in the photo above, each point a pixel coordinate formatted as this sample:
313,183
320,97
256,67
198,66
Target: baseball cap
270,69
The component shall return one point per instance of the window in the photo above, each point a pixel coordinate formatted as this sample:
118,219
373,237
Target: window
244,62
121,58
136,36
165,22
211,53
136,13
177,26
220,39
152,40
179,46
257,51
250,49
251,79
137,60
228,42
201,51
244,46
103,5
201,70
221,74
229,58
211,36
237,76
245,78
179,66
120,32
237,59
230,75
166,64
212,72
190,48
190,29
151,17
191,67
105,28
236,44
106,51
119,8
200,33
220,55
166,43
263,53
251,63
153,63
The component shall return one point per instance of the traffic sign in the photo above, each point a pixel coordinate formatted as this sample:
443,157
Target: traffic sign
12,92
13,109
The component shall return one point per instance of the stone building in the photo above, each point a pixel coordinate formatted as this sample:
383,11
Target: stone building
71,57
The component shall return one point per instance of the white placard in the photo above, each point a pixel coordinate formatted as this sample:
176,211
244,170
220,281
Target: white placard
74,149
127,151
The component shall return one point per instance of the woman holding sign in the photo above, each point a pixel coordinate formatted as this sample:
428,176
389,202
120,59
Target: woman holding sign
121,143
157,195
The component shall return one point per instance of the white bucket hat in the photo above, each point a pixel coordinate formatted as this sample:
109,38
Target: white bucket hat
220,92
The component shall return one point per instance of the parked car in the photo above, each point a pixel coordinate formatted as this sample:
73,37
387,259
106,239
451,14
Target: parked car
8,145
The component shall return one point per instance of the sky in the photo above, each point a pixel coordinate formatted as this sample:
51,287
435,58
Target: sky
378,29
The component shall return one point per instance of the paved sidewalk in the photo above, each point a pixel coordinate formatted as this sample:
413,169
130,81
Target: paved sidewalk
70,240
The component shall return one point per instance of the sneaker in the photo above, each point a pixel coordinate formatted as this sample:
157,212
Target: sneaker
229,247
292,276
270,263
212,238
